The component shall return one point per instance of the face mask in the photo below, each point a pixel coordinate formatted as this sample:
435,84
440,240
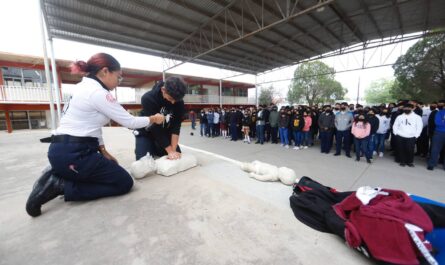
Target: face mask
384,113
407,111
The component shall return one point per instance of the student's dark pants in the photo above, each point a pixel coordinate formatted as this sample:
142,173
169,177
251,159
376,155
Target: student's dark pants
422,142
274,134
325,141
87,174
405,149
193,124
362,145
437,144
267,130
147,144
342,138
234,132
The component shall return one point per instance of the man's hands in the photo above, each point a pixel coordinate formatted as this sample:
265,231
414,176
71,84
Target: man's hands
174,155
157,118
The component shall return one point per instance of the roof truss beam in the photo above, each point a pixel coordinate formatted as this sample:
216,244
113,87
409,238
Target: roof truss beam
210,24
348,22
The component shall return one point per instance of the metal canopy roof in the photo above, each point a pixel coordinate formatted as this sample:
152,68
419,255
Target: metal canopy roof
249,36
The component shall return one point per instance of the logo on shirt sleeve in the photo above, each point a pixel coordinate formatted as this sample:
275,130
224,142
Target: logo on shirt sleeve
110,98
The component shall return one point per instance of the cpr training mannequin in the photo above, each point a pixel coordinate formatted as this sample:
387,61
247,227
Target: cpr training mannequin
267,172
147,165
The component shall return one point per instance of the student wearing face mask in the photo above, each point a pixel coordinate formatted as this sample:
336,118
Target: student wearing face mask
273,121
326,125
379,144
233,123
361,130
343,123
260,124
407,128
283,123
223,123
395,113
374,122
297,123
438,140
203,123
306,129
434,107
246,121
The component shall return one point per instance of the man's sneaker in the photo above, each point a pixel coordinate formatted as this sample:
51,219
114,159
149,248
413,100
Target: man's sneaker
374,153
381,155
286,146
296,148
305,147
430,168
282,145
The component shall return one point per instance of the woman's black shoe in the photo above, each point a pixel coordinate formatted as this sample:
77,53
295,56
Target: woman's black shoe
43,192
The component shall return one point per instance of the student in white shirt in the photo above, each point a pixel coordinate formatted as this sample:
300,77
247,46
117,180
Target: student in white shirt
407,128
81,167
382,131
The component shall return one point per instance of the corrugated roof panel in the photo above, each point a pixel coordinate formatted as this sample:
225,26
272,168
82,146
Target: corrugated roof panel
158,26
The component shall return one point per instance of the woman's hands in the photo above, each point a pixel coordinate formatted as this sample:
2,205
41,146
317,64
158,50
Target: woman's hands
157,118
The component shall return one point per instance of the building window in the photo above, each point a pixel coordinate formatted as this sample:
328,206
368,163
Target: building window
193,89
14,76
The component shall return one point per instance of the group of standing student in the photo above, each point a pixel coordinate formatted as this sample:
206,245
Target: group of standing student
363,130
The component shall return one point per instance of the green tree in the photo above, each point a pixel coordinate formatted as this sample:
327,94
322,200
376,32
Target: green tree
266,95
314,83
420,72
379,91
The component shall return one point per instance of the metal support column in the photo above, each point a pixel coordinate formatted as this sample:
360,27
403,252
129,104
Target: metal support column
8,122
48,77
55,79
256,92
29,120
220,93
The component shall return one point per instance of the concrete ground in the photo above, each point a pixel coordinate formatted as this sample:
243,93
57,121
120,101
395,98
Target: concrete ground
211,214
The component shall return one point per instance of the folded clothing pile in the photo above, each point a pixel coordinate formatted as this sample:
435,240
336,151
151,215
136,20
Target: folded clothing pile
383,224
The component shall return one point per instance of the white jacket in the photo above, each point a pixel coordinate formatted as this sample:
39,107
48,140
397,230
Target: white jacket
384,124
215,117
90,108
408,126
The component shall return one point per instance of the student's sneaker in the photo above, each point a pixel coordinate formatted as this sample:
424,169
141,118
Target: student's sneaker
369,161
248,142
305,147
286,146
374,153
381,155
282,145
296,148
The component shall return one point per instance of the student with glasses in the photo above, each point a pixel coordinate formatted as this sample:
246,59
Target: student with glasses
81,167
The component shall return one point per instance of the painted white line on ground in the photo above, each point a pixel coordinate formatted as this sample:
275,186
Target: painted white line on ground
236,162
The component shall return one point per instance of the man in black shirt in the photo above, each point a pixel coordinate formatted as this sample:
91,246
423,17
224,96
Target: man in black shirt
159,140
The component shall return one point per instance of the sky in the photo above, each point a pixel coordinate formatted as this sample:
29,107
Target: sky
21,34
